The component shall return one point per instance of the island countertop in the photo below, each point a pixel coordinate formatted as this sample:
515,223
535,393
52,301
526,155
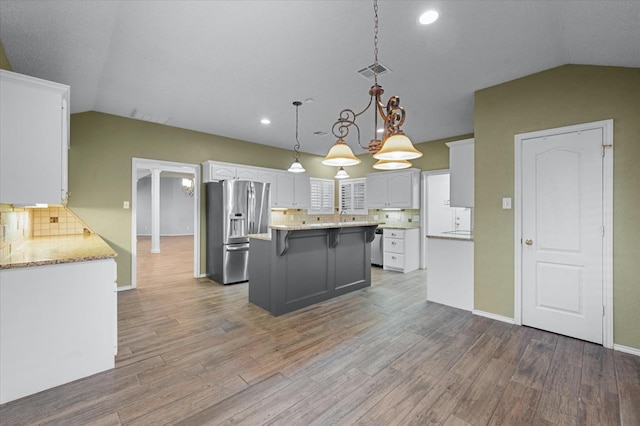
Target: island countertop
52,250
322,225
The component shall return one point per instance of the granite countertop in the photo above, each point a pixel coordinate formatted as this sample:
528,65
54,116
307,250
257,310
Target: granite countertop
266,236
52,250
411,226
322,225
452,236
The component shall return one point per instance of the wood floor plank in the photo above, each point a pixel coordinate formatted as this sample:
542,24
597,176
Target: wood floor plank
193,351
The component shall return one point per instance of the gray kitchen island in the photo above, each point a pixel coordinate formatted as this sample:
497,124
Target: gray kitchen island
299,265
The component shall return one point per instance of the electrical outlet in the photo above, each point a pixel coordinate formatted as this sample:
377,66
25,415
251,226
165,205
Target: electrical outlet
125,205
506,203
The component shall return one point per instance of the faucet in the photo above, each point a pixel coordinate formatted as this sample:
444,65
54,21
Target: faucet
343,216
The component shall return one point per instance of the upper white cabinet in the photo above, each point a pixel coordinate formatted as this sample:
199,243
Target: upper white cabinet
399,189
214,171
353,196
292,190
322,196
34,140
461,159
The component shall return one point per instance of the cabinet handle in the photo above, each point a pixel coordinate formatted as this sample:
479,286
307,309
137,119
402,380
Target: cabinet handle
393,257
393,243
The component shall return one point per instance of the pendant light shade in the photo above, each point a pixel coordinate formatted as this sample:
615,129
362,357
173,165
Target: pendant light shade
397,147
340,155
296,167
342,173
391,164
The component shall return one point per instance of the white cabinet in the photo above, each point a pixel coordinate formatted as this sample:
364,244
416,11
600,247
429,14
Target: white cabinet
34,140
269,176
58,323
450,268
353,196
322,196
292,190
399,189
401,249
461,160
214,171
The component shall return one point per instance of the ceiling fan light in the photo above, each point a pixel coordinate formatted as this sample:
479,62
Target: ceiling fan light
340,155
296,167
392,164
342,173
397,147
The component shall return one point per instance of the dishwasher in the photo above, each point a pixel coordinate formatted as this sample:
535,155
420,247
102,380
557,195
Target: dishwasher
377,248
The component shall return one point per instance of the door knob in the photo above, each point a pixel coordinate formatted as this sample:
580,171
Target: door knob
528,242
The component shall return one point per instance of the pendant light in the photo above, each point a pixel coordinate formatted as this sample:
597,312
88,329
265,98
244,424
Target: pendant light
296,166
342,173
395,148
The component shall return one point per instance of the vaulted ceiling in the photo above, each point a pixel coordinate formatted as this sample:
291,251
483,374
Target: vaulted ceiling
220,66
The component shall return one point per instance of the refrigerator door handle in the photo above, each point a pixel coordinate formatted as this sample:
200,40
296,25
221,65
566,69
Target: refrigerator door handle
238,247
252,208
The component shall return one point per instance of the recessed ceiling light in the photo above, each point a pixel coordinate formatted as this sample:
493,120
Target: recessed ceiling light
265,121
428,17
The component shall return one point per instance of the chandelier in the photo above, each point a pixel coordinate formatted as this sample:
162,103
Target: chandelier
296,166
394,149
188,187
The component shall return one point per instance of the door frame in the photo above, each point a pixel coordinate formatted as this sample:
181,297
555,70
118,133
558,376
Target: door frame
607,201
165,166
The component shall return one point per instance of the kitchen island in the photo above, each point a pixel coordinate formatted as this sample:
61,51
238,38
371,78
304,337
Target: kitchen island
295,266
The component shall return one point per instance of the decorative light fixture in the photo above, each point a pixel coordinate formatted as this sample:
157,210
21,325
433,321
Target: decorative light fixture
296,167
394,149
188,187
342,173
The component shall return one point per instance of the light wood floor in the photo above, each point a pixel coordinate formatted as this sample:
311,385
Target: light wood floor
196,352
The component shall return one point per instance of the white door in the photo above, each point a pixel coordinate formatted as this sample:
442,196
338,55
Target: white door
562,234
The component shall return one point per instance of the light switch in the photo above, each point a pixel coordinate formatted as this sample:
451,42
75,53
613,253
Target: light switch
125,205
506,203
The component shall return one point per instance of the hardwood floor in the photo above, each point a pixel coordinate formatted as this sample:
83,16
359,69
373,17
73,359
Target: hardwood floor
194,352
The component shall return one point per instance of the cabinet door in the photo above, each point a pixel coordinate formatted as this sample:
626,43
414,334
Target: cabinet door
221,172
302,191
400,190
284,190
246,173
269,176
33,140
377,184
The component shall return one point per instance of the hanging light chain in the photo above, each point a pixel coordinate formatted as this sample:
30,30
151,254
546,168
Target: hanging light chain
375,42
296,147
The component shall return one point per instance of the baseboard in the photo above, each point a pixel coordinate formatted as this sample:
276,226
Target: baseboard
201,276
494,316
167,235
627,349
124,287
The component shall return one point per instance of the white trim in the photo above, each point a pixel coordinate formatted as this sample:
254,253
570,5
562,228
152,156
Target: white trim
167,235
201,276
493,316
124,287
167,166
627,349
424,205
607,199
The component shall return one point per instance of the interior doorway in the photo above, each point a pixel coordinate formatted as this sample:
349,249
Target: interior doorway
174,181
563,230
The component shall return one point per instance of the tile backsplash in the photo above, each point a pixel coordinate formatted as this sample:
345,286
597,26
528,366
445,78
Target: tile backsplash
408,217
18,225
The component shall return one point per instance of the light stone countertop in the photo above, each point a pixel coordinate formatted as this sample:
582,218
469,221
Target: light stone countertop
322,225
451,237
266,236
52,250
412,226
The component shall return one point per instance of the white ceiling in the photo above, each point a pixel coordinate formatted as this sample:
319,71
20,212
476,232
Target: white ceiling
220,66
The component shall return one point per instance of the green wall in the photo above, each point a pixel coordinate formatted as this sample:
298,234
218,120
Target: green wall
563,96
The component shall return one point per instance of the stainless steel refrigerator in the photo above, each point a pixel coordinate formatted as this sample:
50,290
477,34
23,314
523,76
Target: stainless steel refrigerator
235,208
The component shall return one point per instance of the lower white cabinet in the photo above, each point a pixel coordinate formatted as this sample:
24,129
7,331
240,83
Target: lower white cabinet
58,323
450,272
401,249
